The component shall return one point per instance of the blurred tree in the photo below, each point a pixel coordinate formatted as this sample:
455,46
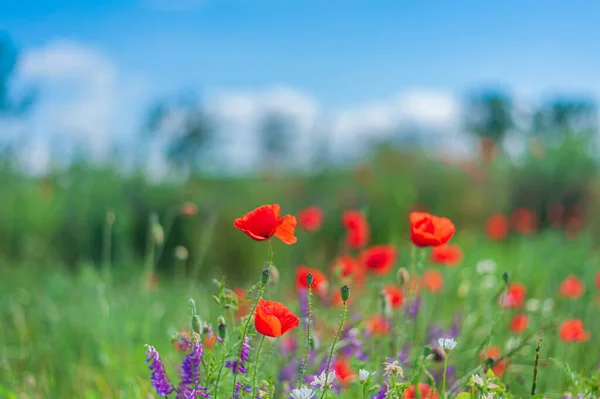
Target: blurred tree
489,116
276,132
561,116
186,130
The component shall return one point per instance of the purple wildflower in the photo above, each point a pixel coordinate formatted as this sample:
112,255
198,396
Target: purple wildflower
381,394
413,309
239,387
239,365
303,299
189,386
354,346
159,378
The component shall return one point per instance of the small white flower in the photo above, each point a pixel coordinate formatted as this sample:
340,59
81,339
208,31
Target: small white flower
491,385
476,380
393,369
363,375
323,380
302,393
486,266
533,305
447,343
489,395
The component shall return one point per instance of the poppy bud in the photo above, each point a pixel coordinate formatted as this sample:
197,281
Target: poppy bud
221,327
426,351
345,293
264,278
505,277
402,276
196,325
309,279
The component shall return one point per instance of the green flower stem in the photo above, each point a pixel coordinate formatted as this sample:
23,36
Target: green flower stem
303,369
337,337
255,382
220,370
444,377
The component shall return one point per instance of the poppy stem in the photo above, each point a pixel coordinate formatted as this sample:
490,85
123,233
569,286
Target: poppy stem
245,331
303,369
255,382
270,254
535,366
337,337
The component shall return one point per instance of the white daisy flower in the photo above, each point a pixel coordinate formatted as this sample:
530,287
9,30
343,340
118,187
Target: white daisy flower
447,343
363,375
323,379
302,393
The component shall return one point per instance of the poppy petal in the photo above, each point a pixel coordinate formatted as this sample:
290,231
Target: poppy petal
285,230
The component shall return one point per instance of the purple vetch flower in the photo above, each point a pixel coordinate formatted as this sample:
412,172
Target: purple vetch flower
435,332
288,372
239,365
159,378
354,345
189,386
240,387
381,394
413,309
404,354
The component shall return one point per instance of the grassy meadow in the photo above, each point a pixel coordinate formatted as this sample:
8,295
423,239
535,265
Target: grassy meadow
82,293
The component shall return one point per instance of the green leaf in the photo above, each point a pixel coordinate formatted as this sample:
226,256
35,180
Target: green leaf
463,395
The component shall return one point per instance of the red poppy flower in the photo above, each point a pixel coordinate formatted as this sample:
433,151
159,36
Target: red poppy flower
515,297
310,219
425,392
243,305
188,209
378,325
343,371
346,267
524,221
493,352
571,287
274,319
430,231
432,280
519,323
393,293
379,258
497,226
573,331
357,228
264,223
319,282
447,255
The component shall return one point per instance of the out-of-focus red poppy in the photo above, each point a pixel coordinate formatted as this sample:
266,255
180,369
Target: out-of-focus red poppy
519,323
243,305
343,371
571,287
524,221
497,226
493,352
447,255
188,209
182,341
393,294
430,231
378,325
310,219
208,339
346,267
425,392
357,229
319,282
555,214
515,296
432,280
573,331
274,319
289,343
573,227
265,222
598,280
379,259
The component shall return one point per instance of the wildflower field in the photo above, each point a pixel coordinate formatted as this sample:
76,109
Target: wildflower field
428,309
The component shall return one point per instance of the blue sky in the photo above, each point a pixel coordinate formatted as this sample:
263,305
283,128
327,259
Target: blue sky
337,54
